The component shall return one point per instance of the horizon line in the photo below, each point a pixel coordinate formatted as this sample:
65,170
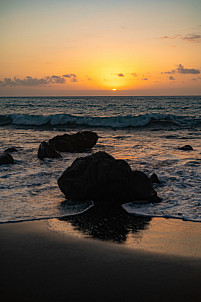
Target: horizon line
114,95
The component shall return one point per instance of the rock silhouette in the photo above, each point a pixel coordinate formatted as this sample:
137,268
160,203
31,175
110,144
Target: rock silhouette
6,158
11,149
154,179
186,148
102,178
47,150
78,142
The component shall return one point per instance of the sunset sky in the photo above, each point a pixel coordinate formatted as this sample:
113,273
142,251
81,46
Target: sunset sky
90,47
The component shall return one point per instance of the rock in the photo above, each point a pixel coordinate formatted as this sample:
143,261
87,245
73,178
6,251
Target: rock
78,142
154,179
47,150
186,148
10,150
6,158
102,178
142,187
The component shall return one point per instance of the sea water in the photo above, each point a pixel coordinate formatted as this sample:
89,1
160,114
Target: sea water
147,132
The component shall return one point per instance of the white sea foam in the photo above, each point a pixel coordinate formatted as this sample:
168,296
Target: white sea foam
174,210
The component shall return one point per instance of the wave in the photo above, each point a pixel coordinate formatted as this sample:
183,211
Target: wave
47,217
152,120
151,210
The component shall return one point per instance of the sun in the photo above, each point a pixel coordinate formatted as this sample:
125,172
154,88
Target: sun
114,89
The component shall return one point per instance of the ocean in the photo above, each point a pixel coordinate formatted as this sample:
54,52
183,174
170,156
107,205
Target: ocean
147,132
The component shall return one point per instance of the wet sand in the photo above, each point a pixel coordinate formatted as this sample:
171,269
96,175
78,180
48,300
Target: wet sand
40,265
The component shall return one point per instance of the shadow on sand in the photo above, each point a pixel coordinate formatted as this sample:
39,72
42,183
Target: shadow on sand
108,223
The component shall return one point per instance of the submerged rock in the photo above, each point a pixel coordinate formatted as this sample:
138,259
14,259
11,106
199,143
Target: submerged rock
6,158
186,148
102,178
47,150
78,142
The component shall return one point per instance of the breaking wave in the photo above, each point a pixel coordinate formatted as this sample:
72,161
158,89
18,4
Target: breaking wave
153,120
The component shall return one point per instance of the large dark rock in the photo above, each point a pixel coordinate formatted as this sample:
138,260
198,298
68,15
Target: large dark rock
47,150
100,177
78,142
6,158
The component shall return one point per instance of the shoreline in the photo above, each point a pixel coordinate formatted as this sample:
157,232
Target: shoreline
158,235
41,265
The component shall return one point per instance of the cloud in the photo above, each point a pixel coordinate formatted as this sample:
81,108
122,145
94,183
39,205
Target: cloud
168,72
191,38
181,69
171,78
74,79
195,38
55,79
134,74
176,36
71,76
8,82
145,79
120,74
29,81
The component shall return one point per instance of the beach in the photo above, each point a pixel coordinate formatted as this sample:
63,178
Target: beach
38,264
56,249
100,151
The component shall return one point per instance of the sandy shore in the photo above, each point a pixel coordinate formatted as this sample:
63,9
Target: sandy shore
40,265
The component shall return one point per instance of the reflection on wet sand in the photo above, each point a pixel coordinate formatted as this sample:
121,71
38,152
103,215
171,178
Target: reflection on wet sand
114,224
107,223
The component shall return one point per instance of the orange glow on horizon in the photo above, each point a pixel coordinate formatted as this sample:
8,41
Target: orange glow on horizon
69,50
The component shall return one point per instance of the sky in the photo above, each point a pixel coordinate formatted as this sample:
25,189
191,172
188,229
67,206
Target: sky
107,47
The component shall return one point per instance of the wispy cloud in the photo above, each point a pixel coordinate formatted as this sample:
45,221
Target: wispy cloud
55,79
29,81
195,38
176,36
191,38
168,72
134,74
71,76
171,78
120,75
180,69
